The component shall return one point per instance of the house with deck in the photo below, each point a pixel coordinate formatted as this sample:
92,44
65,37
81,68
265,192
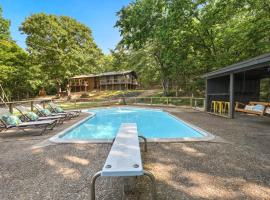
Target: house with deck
122,80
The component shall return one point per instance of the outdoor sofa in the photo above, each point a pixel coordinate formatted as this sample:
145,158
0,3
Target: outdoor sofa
256,108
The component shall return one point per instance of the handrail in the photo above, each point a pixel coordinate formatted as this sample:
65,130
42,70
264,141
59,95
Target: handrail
91,99
191,102
104,82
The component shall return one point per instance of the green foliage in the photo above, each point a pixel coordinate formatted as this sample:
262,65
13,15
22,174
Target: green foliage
13,64
188,38
4,27
138,60
58,47
61,46
15,76
172,42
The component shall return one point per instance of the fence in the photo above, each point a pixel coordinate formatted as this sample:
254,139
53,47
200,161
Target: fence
81,103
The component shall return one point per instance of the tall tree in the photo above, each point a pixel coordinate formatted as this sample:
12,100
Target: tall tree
190,37
61,46
4,27
13,64
140,61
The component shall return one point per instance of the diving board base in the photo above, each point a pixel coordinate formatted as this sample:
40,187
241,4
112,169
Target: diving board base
124,159
145,173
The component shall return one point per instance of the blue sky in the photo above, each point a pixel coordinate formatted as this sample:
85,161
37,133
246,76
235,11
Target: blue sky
99,15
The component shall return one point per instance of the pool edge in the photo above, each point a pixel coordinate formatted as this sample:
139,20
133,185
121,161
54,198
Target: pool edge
57,139
206,135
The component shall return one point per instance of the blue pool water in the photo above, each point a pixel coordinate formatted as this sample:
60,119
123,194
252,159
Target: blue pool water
151,124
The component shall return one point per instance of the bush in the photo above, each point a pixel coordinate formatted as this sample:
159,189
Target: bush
85,95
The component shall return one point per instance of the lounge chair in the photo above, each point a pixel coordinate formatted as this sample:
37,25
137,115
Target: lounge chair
43,125
26,114
57,109
256,109
46,113
124,158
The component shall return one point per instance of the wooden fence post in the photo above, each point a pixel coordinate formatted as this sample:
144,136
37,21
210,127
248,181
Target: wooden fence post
191,102
32,105
10,107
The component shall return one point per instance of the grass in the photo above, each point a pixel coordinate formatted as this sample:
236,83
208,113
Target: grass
153,101
83,105
110,94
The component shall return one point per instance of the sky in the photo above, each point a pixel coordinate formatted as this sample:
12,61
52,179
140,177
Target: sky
98,15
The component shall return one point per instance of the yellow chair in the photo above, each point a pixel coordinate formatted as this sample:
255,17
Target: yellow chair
226,107
220,107
214,106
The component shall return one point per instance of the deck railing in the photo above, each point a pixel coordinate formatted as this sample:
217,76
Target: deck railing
80,103
117,81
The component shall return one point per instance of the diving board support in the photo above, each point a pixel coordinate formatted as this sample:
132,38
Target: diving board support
145,142
145,172
124,159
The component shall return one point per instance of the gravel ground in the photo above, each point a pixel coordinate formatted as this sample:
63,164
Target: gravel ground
236,169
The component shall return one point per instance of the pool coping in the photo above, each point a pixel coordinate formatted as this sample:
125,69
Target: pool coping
206,135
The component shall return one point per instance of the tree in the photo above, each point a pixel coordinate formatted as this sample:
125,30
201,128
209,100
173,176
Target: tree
4,27
62,46
14,76
189,38
138,60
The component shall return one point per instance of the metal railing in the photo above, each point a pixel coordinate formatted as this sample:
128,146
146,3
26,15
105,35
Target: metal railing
117,81
169,101
188,102
81,103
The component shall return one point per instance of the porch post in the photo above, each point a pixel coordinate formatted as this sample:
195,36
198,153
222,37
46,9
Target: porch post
231,111
206,105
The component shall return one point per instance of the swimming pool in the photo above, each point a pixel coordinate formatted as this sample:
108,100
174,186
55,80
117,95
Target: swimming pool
154,124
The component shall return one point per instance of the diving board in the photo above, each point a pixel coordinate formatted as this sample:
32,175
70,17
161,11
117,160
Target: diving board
124,158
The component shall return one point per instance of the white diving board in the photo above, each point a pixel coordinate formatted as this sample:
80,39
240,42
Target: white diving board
124,158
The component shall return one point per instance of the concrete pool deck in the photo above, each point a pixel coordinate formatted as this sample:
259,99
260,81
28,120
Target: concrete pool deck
32,168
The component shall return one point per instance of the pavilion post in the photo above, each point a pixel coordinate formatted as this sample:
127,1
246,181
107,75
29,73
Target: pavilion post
206,103
231,110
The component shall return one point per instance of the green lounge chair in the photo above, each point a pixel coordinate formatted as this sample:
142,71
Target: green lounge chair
43,125
57,109
47,113
26,114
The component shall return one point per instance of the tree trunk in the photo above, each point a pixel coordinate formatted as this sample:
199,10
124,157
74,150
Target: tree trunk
58,85
165,86
163,69
177,90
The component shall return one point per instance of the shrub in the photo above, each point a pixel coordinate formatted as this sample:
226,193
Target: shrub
84,95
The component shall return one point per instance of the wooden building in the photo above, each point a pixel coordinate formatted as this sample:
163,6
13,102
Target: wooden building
124,80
